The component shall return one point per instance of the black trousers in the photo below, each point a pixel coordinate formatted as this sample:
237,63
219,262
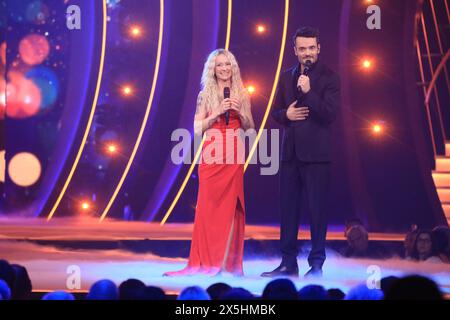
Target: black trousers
313,179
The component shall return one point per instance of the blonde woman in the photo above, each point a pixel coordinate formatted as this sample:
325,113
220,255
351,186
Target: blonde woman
218,237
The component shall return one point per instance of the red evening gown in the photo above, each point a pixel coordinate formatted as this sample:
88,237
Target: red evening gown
218,235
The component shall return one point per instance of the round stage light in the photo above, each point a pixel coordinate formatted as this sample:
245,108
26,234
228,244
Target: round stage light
378,128
135,31
24,169
261,29
34,49
112,148
367,64
85,205
127,91
23,96
47,82
251,89
37,12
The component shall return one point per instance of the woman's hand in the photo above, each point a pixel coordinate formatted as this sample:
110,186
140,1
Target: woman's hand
237,106
224,106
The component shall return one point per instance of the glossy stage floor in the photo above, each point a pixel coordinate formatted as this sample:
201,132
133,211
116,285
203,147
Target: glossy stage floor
119,250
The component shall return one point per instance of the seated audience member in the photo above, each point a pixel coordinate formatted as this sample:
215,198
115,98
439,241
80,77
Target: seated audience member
217,290
22,283
58,295
280,289
425,247
414,288
5,291
103,290
312,292
194,293
410,240
335,294
358,245
387,282
238,294
7,273
351,223
363,292
132,289
441,234
154,293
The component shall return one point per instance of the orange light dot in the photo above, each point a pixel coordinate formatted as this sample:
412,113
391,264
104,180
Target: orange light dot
127,90
377,128
261,28
367,64
251,89
136,31
112,148
85,206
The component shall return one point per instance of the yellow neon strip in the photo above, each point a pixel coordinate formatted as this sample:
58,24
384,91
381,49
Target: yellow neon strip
230,11
147,113
274,87
183,185
199,151
91,117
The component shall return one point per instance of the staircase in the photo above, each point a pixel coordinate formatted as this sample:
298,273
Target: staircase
433,56
441,177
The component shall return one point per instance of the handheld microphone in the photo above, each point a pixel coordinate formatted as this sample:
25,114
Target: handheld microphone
226,95
306,69
308,64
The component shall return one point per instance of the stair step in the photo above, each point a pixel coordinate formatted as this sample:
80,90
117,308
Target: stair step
443,164
444,194
441,179
446,208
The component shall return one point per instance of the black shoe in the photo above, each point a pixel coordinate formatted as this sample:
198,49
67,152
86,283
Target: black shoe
282,270
314,272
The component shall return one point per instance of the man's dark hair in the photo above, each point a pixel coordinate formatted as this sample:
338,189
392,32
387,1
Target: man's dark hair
414,287
306,32
280,289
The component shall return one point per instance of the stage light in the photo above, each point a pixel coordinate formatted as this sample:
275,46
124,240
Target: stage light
367,64
261,29
24,169
127,91
377,128
112,148
135,31
85,205
251,89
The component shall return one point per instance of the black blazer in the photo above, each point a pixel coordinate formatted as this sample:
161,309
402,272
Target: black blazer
308,140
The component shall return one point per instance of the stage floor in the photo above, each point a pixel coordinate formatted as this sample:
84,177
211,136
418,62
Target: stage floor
23,241
89,229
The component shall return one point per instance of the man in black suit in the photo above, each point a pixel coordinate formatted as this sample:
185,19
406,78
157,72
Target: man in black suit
306,103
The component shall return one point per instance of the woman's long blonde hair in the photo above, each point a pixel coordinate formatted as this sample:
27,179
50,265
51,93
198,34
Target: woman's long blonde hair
210,89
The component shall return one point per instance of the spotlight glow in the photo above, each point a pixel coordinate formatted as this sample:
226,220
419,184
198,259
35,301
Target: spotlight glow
112,148
251,89
127,91
377,128
135,31
85,205
261,28
367,64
